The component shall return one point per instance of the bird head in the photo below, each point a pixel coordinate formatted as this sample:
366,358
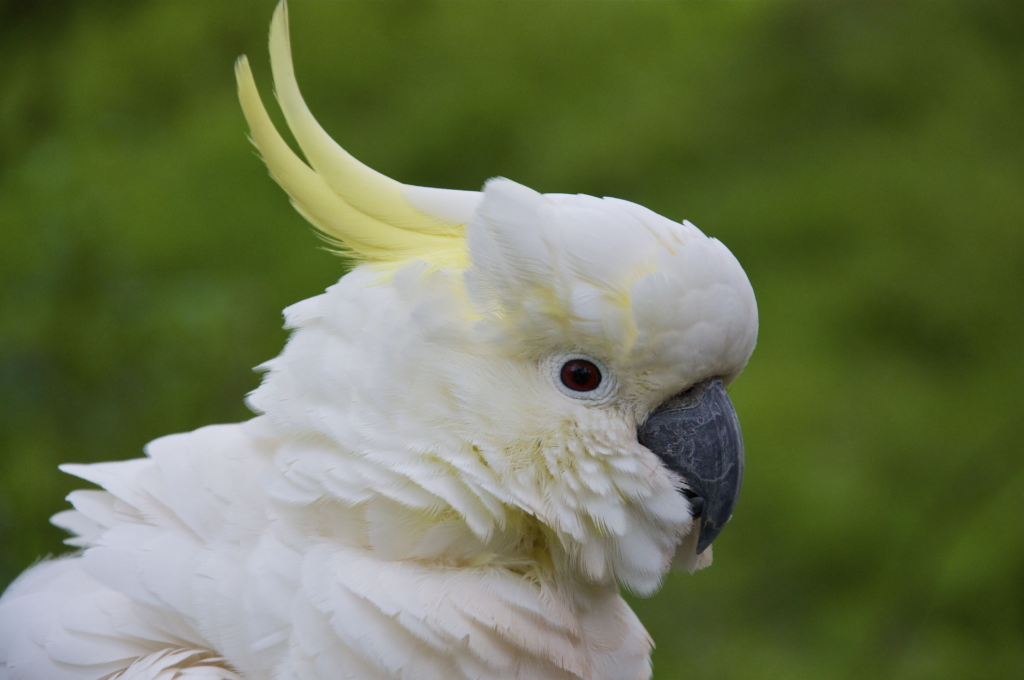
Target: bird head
546,371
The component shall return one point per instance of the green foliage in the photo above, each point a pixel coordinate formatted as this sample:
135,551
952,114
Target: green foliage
863,161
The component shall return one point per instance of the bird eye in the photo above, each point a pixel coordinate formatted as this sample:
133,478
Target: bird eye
581,375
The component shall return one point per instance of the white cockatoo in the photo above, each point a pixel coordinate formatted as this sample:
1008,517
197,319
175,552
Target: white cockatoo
511,407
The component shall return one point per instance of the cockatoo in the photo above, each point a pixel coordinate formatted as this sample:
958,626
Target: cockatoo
511,407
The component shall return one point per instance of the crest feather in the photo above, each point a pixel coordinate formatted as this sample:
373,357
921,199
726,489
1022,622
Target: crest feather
366,214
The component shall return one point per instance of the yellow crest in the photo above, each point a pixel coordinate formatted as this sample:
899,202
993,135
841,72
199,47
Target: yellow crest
367,215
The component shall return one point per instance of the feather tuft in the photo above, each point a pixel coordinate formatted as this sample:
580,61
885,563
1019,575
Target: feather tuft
364,214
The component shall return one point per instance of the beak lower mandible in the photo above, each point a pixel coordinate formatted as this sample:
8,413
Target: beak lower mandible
697,435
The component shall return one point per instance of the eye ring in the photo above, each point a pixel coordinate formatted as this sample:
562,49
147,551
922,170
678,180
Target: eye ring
596,385
580,375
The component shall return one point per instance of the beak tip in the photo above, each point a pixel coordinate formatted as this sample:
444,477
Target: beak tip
708,533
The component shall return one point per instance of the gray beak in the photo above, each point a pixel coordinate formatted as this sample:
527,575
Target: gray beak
697,435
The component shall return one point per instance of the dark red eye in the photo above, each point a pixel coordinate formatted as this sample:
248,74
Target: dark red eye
581,375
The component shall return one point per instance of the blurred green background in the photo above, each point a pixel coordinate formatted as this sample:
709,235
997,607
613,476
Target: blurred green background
864,161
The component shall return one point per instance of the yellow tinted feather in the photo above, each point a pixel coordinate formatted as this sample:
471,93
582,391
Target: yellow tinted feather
360,209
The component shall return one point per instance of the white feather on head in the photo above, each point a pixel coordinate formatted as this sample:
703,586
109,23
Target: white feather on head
433,383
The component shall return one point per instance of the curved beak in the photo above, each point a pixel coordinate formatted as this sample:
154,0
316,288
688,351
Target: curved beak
697,435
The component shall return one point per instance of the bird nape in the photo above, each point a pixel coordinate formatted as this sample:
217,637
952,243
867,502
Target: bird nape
512,406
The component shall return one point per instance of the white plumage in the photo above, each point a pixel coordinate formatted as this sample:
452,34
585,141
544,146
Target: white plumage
418,497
